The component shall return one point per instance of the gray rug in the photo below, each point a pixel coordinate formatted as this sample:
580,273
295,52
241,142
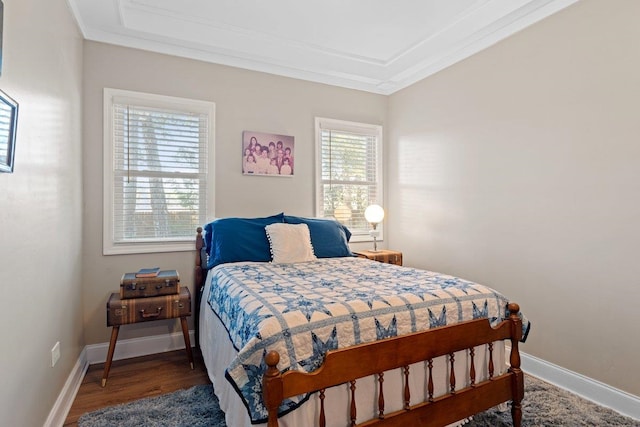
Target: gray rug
543,405
194,407
546,405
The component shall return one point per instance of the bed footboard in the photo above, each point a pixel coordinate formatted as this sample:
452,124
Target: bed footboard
349,364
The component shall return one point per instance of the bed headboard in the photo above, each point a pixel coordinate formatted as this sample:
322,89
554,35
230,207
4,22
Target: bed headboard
199,276
201,262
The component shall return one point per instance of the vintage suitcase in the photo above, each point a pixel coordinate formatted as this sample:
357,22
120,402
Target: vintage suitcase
167,282
133,310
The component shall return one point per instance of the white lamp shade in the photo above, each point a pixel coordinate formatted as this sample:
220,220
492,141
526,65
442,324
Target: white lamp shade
374,214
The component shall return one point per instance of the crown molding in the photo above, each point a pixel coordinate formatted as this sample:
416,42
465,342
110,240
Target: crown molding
161,27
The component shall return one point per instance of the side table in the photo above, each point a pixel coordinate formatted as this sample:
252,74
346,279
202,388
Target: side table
383,255
136,310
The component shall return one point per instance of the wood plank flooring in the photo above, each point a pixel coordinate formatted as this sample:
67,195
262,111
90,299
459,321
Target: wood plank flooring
136,378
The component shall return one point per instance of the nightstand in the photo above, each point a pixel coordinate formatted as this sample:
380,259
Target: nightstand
135,310
383,255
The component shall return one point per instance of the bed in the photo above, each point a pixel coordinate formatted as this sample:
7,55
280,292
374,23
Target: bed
296,331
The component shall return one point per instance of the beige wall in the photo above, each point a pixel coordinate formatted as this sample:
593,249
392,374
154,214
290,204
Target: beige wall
40,210
245,100
518,168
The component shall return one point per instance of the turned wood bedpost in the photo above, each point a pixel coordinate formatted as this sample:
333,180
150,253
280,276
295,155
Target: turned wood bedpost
514,361
198,283
272,391
197,273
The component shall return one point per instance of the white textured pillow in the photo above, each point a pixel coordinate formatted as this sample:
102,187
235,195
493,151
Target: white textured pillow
290,243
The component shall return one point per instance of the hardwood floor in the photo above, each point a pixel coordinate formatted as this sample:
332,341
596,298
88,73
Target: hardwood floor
132,379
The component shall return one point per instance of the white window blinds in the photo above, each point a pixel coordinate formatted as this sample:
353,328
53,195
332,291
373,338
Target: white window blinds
350,172
159,171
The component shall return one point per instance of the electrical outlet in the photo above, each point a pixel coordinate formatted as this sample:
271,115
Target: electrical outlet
55,354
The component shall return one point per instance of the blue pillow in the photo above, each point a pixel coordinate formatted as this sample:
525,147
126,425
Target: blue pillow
329,238
208,231
239,239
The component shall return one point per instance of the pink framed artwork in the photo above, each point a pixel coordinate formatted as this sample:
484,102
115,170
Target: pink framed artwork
267,154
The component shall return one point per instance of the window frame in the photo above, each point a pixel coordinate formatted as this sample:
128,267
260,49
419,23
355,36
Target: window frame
368,129
109,245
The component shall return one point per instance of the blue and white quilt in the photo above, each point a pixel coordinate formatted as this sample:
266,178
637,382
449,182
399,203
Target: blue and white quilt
303,310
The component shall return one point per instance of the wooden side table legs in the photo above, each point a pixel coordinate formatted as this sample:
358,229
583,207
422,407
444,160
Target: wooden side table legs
112,348
114,338
187,343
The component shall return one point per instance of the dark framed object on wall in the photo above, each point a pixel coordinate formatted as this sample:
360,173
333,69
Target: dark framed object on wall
8,127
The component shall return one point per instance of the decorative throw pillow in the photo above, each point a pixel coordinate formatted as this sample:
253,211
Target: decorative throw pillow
328,237
290,243
239,239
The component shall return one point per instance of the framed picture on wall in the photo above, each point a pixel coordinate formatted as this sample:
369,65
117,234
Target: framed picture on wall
267,154
8,126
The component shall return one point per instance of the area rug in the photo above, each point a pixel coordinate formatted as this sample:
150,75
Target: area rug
194,407
544,405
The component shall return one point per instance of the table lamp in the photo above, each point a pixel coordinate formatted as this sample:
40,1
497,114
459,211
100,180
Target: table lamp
374,214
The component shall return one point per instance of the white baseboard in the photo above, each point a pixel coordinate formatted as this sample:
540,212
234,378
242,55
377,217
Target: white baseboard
97,353
135,347
61,408
600,393
595,391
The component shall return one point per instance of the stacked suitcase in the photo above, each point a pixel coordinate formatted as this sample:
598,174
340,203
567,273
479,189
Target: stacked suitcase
154,297
148,298
166,282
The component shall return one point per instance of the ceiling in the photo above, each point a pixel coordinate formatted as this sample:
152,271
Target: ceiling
379,46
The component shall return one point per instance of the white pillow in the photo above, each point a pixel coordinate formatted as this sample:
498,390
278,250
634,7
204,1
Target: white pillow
290,243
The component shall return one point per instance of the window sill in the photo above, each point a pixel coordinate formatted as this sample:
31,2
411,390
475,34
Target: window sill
147,248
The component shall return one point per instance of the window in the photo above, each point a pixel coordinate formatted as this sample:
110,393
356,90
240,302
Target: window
349,172
158,154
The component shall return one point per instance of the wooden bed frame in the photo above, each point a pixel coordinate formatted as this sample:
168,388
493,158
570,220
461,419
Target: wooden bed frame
349,364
